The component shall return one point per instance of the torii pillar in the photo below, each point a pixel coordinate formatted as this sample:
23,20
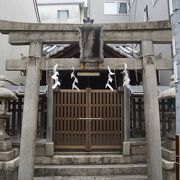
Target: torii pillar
30,113
151,108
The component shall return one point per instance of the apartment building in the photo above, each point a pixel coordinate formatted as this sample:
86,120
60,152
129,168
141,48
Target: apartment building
119,11
109,11
123,11
62,11
148,10
21,11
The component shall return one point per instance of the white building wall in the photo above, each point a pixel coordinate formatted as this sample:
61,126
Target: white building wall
96,12
48,13
14,10
137,10
157,12
166,52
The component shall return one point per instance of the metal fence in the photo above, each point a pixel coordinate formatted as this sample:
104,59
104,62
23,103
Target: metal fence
138,120
13,125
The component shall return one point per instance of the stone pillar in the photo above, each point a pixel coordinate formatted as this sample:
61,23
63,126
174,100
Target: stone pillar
49,138
151,108
30,113
126,114
126,143
169,151
169,159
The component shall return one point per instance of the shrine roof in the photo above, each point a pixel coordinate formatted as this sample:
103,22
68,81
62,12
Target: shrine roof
20,90
138,90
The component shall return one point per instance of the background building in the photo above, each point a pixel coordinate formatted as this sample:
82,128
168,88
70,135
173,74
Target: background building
153,10
124,11
119,11
148,10
105,11
61,11
73,11
22,11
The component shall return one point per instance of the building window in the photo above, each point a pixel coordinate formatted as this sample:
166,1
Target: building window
116,7
62,14
154,2
146,14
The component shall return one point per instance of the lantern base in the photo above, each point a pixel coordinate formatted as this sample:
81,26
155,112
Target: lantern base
3,135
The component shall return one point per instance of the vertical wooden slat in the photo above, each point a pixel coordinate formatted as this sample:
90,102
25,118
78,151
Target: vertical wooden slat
134,113
54,118
100,115
59,115
72,116
140,113
112,131
76,117
13,117
93,133
113,117
61,118
42,118
96,122
79,115
88,122
64,118
81,111
105,112
68,120
122,117
19,114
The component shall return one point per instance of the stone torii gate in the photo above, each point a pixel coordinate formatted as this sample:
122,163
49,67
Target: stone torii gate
36,35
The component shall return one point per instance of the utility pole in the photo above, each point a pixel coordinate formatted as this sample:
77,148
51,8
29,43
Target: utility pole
175,22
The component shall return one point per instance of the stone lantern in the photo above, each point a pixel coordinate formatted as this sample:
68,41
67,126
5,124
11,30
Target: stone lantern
8,154
5,96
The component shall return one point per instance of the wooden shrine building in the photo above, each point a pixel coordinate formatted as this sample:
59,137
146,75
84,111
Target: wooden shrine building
94,118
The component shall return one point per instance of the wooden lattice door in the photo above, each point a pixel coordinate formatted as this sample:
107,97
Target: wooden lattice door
88,120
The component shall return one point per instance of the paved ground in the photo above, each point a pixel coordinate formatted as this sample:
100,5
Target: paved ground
93,178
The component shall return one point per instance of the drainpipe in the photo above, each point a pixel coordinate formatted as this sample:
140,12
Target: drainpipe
88,10
36,11
85,9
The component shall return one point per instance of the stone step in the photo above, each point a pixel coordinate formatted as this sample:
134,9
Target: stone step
89,159
170,144
168,154
136,177
90,170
